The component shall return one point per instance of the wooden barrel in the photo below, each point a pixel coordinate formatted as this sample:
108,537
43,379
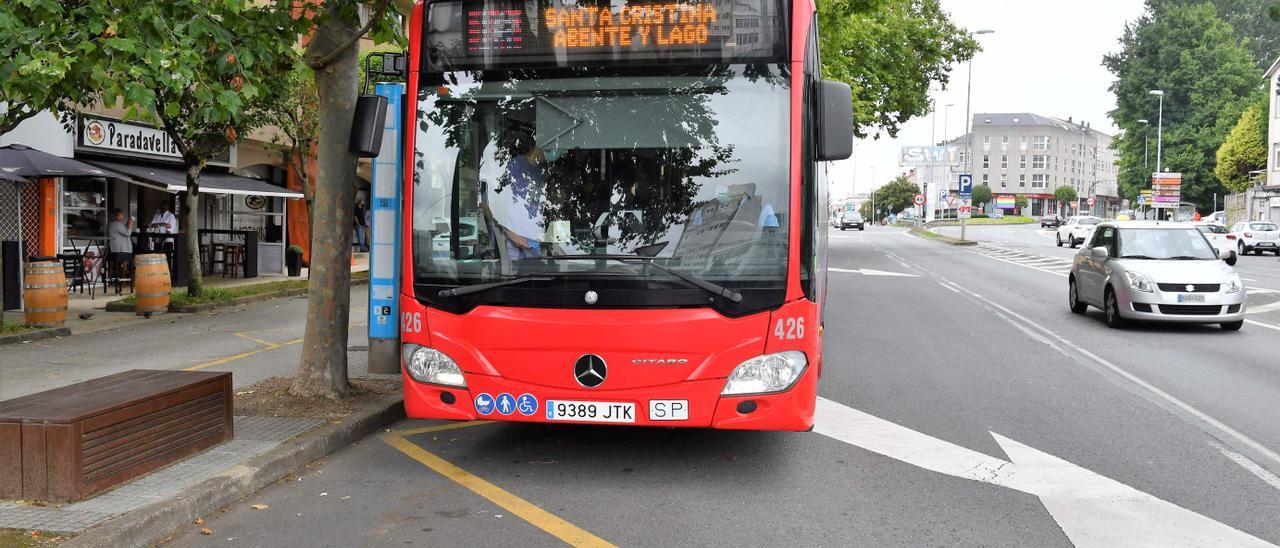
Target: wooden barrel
152,285
44,293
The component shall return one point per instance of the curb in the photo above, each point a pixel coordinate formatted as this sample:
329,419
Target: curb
35,335
117,306
942,239
157,521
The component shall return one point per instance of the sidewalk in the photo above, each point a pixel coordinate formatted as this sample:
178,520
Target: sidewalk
274,351
94,306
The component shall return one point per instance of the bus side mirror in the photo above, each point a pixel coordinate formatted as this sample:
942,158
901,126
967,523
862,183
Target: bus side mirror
835,121
367,126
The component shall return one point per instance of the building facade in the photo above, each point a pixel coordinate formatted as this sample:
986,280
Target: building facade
1028,155
1273,127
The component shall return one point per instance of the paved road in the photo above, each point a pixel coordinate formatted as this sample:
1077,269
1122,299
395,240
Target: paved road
962,404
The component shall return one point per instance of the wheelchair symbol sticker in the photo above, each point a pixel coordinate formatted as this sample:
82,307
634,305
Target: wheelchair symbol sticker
527,405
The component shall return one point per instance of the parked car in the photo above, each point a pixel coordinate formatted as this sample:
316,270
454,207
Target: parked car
1221,239
1076,230
1155,271
1050,221
852,219
1217,218
1256,237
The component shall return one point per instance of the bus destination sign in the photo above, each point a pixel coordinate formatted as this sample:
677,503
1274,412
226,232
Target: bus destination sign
471,34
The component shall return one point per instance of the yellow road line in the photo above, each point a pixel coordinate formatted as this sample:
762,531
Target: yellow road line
542,519
242,355
439,427
244,335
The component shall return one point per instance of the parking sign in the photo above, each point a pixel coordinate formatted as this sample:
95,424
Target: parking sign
966,185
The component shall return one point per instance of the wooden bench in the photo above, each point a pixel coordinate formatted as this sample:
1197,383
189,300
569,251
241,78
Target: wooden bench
68,443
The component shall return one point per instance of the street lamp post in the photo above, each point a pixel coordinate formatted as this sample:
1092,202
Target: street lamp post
968,121
1159,134
1146,133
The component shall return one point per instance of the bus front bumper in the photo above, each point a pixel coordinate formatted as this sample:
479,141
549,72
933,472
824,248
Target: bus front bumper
690,404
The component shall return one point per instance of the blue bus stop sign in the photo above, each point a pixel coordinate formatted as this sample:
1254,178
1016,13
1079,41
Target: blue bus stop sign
966,185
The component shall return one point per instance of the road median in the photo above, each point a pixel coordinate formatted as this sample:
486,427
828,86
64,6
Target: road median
926,233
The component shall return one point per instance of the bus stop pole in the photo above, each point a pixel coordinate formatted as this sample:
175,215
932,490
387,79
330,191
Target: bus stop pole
385,246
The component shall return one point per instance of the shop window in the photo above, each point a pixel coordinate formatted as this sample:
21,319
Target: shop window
84,211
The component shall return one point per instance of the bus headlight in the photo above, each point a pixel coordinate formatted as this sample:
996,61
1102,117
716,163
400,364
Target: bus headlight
432,366
765,374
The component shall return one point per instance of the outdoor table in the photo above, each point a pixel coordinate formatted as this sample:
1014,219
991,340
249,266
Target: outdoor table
92,265
250,239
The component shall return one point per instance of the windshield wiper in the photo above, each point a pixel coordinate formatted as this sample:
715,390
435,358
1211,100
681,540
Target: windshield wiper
1147,257
1184,258
709,287
476,288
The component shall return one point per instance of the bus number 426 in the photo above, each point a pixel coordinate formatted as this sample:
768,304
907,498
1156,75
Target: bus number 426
789,329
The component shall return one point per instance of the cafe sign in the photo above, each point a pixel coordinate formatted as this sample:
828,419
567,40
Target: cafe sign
117,138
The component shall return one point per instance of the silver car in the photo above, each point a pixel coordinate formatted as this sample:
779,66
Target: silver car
1155,271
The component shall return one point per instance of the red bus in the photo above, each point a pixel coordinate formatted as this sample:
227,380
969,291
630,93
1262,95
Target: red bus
615,211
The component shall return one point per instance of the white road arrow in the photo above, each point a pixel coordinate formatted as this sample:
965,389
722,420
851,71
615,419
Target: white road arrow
869,272
1091,509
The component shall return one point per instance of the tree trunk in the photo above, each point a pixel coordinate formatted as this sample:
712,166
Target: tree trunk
323,368
191,220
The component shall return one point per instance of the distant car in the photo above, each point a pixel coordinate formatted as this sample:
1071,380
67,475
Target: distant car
1155,271
1075,230
1050,221
852,219
997,213
1217,218
1256,237
1221,239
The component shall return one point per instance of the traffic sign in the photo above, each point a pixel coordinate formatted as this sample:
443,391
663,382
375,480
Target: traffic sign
1142,200
951,201
964,211
966,185
919,199
1091,201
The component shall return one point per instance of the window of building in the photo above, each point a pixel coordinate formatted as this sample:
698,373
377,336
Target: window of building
1275,161
1022,162
1004,161
1039,161
1041,142
1022,180
986,139
1004,179
985,180
986,160
1039,180
84,210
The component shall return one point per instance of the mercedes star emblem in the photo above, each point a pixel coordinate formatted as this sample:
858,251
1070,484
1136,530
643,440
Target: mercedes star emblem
1191,288
590,370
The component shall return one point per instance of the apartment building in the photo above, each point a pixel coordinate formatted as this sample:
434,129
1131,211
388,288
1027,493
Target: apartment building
1023,154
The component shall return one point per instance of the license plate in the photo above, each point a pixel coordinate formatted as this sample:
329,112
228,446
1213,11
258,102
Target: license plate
1190,298
590,411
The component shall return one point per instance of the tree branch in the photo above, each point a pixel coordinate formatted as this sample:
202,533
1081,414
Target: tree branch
317,64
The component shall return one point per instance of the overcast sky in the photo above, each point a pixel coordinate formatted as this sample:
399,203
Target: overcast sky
1045,57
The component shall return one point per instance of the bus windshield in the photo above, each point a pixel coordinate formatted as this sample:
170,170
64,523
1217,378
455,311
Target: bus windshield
516,176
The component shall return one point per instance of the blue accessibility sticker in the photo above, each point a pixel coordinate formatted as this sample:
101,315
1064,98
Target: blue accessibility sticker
527,405
484,404
506,404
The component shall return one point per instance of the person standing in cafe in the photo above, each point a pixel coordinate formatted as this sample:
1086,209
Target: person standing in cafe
119,246
164,222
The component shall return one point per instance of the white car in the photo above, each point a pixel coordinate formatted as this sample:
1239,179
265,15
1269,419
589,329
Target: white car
1155,271
1221,239
1076,230
1256,237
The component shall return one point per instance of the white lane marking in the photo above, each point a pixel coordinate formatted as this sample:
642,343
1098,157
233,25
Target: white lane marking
1091,509
949,288
1249,279
870,272
1264,308
1247,464
1260,324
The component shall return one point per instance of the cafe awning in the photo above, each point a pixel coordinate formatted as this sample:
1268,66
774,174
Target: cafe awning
175,180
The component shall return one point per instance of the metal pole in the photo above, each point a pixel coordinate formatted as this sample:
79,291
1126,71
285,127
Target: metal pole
968,124
1160,138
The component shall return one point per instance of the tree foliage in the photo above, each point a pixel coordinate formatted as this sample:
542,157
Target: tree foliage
890,52
1244,150
295,114
1207,77
865,210
1252,20
1020,201
1065,194
897,195
40,68
981,195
